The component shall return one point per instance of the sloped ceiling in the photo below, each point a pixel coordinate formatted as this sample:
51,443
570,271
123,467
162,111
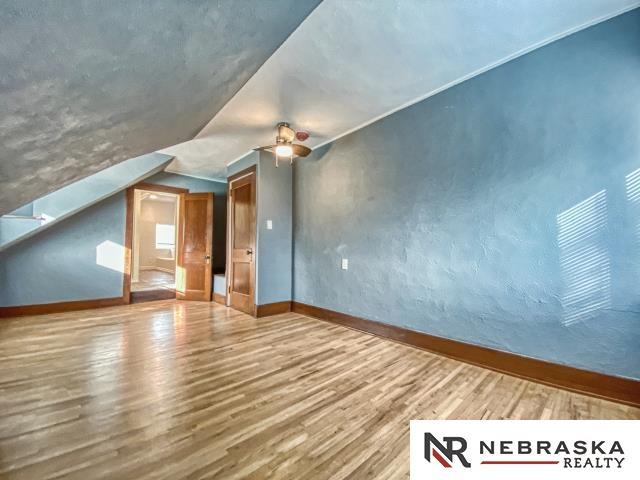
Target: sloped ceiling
87,84
353,62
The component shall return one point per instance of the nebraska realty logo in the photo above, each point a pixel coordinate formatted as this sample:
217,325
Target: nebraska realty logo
498,449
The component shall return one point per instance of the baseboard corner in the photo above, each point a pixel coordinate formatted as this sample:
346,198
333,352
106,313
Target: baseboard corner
276,308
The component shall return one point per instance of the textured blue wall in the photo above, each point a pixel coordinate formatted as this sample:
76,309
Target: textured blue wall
26,210
62,264
274,247
503,212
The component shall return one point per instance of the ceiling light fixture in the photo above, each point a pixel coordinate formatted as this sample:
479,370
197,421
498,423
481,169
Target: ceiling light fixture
284,147
284,150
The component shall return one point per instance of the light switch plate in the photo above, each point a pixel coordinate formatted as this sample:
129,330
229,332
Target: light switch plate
345,264
269,225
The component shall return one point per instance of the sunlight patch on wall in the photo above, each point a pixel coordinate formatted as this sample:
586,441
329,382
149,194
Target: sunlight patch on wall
584,258
110,255
632,182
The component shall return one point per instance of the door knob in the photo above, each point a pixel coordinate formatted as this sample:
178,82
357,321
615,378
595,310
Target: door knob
207,258
249,251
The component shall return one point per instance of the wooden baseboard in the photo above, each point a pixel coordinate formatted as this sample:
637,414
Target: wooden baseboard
618,389
221,299
272,309
59,307
152,295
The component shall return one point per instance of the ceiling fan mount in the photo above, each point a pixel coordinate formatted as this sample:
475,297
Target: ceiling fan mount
284,146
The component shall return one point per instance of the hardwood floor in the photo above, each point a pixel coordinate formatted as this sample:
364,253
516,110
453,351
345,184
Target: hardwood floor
154,280
196,390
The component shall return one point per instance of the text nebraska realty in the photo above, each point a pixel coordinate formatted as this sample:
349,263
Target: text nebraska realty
577,454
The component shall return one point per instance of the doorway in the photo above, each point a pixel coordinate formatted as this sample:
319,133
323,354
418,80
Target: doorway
153,253
168,244
242,241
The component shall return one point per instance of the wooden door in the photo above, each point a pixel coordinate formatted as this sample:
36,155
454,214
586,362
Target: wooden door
242,242
195,237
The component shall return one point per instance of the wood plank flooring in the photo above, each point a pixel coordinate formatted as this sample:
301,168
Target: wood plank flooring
196,390
154,280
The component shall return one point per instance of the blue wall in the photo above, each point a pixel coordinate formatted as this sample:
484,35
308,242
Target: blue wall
26,210
75,259
504,211
60,264
274,247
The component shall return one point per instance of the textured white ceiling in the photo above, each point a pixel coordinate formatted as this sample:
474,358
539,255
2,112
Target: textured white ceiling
87,84
352,62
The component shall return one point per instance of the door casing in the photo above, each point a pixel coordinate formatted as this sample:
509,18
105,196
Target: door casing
128,234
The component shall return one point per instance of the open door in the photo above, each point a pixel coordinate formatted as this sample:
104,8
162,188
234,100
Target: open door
195,237
242,241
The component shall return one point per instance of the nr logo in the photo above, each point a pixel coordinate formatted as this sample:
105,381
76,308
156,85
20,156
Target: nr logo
445,453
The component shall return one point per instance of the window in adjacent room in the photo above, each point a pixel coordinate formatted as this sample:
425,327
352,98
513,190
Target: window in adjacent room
165,236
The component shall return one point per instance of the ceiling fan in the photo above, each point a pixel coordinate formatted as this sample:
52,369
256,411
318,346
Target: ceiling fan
284,146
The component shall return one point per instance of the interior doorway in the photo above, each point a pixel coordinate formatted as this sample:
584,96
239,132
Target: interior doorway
242,241
154,246
168,244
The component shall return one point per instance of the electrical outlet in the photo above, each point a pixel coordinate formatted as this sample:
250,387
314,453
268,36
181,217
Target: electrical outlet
269,225
345,264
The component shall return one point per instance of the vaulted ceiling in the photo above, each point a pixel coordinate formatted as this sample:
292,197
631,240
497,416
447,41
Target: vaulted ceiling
84,85
353,62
